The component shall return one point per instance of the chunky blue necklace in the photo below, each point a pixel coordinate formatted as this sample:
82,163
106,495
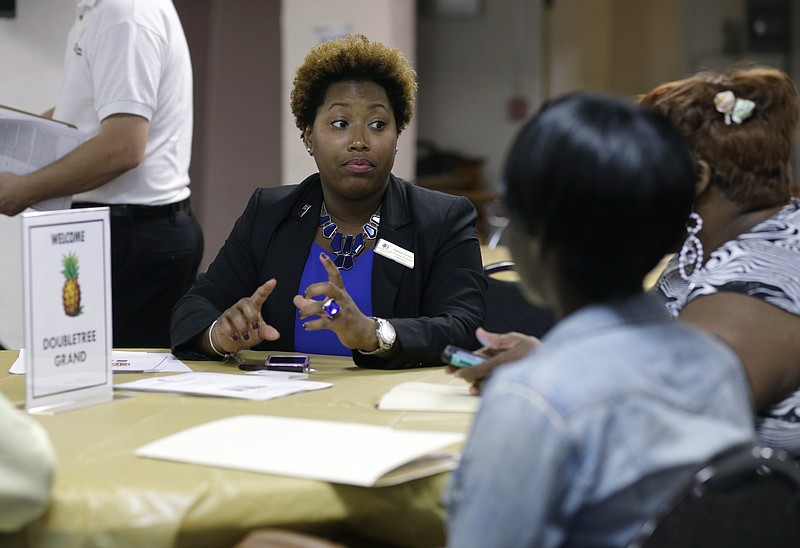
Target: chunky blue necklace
346,247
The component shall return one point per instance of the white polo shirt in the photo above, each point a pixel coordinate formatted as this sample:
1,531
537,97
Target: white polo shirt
131,57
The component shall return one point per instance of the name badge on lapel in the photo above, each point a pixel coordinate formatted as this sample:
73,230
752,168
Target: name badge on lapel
395,253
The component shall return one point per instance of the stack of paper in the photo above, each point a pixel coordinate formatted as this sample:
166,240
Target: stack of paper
225,385
338,452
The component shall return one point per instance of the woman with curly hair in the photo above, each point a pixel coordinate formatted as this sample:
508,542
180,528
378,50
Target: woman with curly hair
353,260
737,275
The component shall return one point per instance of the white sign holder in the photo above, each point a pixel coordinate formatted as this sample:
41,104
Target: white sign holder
67,307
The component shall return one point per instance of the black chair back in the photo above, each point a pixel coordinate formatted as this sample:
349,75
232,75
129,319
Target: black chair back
744,498
508,310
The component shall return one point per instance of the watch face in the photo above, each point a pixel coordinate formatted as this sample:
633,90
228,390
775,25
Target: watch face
387,332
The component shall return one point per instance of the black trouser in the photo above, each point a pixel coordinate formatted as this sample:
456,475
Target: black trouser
155,254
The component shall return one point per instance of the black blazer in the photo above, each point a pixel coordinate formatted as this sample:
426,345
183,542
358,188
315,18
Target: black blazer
441,301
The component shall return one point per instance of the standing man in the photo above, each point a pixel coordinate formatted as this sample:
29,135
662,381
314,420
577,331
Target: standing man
128,85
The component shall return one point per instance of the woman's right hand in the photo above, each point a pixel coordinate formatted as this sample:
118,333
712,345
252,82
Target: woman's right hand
499,348
241,326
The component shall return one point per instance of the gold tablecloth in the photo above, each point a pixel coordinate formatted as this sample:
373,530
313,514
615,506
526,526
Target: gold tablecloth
106,496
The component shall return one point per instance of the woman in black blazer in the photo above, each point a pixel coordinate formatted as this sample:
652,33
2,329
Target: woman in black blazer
352,260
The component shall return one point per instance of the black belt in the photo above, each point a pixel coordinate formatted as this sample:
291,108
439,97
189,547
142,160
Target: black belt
133,211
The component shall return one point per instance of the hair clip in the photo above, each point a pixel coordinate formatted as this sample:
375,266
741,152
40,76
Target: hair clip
734,109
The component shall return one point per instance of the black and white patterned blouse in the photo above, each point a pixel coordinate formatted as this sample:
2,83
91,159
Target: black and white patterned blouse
763,263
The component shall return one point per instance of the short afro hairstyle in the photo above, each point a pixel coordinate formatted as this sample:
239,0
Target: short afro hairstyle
353,57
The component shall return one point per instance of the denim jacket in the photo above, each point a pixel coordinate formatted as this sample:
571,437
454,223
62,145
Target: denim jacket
585,438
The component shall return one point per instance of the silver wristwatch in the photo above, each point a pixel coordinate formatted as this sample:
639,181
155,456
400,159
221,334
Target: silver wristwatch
386,336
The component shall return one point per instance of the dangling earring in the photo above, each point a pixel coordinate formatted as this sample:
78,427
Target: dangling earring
691,254
309,151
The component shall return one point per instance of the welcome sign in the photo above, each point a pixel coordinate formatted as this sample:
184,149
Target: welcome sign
67,306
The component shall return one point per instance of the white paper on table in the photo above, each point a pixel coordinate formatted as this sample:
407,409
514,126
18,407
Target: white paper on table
283,375
126,362
421,396
338,452
226,385
147,362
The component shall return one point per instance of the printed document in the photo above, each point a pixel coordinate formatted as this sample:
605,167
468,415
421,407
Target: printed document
225,385
126,362
29,142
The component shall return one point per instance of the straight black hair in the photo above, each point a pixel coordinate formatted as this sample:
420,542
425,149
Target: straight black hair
606,185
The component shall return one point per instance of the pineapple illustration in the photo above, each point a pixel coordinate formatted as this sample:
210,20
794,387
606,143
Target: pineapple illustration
71,294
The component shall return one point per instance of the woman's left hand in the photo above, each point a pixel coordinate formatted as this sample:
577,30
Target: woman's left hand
354,329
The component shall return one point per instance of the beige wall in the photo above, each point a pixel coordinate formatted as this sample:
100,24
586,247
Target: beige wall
471,67
32,53
236,54
31,57
469,70
615,46
646,44
578,45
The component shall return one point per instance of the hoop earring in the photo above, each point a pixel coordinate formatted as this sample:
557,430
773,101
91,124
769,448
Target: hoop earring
691,254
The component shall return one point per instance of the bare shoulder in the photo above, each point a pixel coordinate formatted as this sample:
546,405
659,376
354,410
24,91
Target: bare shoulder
763,335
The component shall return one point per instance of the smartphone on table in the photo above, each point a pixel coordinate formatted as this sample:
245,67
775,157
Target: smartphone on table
458,357
292,363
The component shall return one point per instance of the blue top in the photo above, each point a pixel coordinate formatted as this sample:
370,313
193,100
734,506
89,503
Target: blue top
357,281
581,441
